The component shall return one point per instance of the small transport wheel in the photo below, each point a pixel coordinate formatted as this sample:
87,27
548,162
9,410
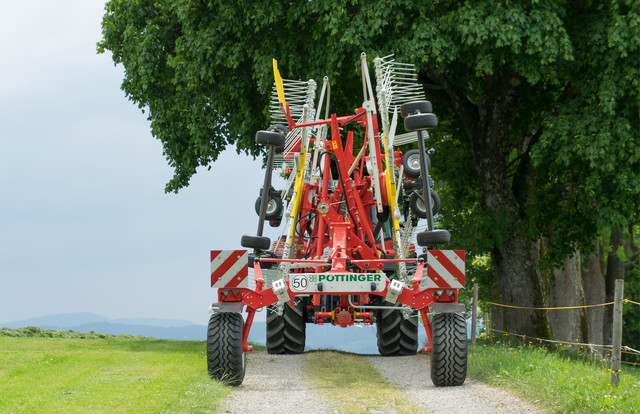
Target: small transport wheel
449,349
411,163
274,139
417,107
433,237
225,359
417,204
255,242
274,208
419,122
282,129
286,333
396,335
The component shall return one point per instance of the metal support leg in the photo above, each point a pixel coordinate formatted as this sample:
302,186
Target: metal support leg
424,176
266,188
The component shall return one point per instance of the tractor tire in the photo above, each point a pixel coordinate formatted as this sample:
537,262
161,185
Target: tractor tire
411,163
420,122
449,349
433,237
286,333
225,359
417,107
255,242
396,335
419,209
274,208
274,139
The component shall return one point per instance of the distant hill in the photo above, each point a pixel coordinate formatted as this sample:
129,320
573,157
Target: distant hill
60,321
360,339
87,322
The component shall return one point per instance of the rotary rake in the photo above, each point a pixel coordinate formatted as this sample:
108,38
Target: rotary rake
350,208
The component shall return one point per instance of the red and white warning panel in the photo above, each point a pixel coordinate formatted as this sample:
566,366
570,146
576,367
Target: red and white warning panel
229,268
445,269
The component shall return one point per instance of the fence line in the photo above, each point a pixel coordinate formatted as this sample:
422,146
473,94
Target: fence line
553,308
616,348
627,350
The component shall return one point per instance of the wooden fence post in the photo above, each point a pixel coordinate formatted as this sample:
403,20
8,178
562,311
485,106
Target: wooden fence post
474,314
487,325
617,333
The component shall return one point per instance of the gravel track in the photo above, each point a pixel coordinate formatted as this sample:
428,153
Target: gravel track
279,384
412,374
275,384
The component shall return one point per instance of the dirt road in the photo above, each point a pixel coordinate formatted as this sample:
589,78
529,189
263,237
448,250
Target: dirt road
280,384
412,374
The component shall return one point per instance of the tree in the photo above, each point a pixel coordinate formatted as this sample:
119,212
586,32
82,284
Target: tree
545,110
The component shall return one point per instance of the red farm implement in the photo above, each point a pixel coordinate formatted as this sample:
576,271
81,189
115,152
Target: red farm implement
349,211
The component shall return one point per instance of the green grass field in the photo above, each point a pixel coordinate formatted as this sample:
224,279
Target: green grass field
64,372
561,381
66,375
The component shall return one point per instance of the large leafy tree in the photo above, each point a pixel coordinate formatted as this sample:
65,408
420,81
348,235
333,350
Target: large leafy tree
539,102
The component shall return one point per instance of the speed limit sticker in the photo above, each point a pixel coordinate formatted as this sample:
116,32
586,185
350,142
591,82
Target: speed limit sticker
299,283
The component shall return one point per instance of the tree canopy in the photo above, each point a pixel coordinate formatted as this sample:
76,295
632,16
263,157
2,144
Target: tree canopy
538,102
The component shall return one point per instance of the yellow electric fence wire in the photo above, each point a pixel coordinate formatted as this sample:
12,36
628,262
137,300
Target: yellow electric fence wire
558,307
630,301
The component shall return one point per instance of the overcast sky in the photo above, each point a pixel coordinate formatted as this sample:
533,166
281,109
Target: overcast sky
85,225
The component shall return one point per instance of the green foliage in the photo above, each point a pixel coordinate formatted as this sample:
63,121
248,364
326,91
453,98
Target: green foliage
560,381
538,101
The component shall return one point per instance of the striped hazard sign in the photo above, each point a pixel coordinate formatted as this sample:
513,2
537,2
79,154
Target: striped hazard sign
445,269
229,268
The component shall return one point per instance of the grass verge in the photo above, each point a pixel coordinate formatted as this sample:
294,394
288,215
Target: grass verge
560,381
40,374
354,384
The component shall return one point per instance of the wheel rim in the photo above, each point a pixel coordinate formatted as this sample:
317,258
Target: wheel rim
420,203
414,161
272,206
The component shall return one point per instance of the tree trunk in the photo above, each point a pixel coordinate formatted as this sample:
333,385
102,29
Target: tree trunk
594,292
520,285
565,289
615,270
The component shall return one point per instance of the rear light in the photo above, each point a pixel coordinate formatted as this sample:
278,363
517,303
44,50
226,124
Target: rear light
230,295
445,295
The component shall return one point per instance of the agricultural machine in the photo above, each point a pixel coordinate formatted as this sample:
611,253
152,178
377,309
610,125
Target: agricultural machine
349,211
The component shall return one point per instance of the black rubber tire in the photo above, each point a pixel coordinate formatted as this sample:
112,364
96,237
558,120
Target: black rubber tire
433,237
255,242
225,359
411,163
274,208
417,205
419,122
396,335
282,129
417,107
274,139
286,333
449,349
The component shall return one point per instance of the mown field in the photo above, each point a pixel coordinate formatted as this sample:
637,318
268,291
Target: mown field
109,374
